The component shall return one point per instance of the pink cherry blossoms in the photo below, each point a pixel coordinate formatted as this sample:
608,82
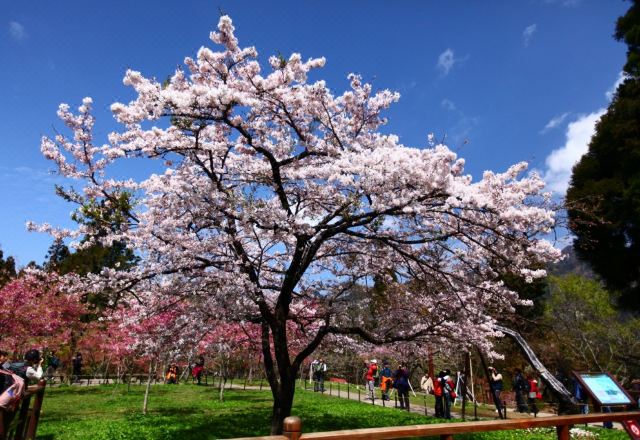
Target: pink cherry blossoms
35,311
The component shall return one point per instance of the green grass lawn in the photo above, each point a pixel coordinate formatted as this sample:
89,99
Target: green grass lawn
189,412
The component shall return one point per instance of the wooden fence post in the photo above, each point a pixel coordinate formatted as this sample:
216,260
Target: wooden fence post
292,427
563,432
35,412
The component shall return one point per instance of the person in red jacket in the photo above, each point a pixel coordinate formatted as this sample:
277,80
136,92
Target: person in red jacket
447,388
437,392
372,373
534,392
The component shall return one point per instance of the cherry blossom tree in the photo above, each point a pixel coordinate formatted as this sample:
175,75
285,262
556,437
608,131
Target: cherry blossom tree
279,202
37,311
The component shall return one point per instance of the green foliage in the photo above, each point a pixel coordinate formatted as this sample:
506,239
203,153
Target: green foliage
7,269
190,412
591,333
628,30
101,216
534,291
603,199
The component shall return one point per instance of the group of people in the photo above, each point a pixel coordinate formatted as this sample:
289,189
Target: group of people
526,389
388,381
443,389
16,376
172,376
317,373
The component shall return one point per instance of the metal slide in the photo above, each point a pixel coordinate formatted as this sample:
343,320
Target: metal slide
568,403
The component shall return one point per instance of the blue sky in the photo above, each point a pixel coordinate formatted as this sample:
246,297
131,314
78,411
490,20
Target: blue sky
501,81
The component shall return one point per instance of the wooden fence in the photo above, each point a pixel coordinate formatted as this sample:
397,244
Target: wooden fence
292,428
23,423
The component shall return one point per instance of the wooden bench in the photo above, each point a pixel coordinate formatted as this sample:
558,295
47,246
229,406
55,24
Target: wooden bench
23,423
292,428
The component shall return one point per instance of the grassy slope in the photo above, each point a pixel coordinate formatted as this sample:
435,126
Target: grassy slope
189,412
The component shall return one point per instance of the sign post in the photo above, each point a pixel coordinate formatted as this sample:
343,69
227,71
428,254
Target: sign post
605,391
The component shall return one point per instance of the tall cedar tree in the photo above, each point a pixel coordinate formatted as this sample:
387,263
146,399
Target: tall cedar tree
7,269
604,196
103,217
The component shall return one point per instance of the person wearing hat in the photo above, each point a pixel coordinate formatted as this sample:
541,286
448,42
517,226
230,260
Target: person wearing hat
372,373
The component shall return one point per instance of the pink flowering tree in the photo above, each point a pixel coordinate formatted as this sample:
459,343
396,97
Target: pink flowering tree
275,193
37,311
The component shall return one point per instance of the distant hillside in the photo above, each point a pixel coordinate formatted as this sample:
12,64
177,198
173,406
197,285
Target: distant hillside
571,264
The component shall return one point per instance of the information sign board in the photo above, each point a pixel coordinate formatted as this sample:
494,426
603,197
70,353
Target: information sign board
604,389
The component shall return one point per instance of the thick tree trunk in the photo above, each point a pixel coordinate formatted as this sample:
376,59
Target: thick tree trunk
282,404
281,377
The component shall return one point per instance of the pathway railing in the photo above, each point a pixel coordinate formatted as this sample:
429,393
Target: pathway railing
292,428
23,423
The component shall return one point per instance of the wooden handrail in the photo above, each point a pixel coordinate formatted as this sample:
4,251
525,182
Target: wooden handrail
446,431
26,417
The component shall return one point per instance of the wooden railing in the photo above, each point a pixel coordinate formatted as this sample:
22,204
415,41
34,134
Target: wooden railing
292,428
23,423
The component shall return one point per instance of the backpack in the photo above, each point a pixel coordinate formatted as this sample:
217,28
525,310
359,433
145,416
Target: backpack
317,368
522,384
11,390
19,369
54,362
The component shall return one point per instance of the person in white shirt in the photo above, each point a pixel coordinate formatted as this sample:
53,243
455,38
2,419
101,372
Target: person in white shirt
33,362
426,383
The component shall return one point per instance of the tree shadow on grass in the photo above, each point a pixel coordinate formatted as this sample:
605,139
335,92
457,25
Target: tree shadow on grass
216,426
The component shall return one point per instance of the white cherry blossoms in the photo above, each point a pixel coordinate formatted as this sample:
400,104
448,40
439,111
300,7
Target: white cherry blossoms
280,202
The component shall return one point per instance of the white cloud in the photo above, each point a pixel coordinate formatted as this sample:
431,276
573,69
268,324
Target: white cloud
561,161
446,61
527,34
556,121
17,31
448,104
621,77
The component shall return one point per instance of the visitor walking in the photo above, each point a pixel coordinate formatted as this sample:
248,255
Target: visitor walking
312,373
401,384
448,394
198,369
521,387
372,373
426,384
320,373
76,365
386,382
437,392
534,395
496,386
